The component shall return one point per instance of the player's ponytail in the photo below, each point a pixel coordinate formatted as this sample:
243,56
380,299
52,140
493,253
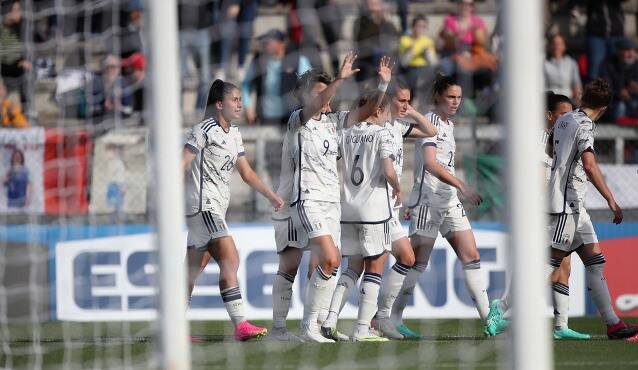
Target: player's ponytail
217,92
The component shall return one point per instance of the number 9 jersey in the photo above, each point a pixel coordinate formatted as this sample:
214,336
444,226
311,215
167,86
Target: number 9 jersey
208,178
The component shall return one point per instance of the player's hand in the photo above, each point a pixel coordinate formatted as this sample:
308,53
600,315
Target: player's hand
398,200
410,111
385,69
617,212
347,70
407,215
276,202
470,195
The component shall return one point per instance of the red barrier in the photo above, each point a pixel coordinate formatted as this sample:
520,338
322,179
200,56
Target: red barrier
621,256
66,176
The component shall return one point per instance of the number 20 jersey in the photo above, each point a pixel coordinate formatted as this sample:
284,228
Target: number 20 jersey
314,147
208,178
429,190
365,196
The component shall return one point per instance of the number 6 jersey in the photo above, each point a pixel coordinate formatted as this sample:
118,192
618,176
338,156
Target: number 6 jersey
208,178
365,195
427,189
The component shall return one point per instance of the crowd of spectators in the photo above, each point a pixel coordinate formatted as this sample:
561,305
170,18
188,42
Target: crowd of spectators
217,40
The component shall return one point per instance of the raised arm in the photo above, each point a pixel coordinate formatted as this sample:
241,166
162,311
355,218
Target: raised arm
435,168
424,127
596,177
385,75
252,179
313,107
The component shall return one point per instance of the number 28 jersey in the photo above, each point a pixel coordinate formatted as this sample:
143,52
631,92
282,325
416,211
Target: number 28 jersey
314,147
208,178
429,190
365,196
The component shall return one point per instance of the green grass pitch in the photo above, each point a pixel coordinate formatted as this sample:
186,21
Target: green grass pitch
448,344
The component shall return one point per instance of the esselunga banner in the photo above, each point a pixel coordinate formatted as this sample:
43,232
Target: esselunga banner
114,278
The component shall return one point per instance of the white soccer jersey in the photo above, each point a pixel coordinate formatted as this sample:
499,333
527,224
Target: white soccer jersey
547,160
314,147
573,135
399,130
286,176
365,195
427,189
209,175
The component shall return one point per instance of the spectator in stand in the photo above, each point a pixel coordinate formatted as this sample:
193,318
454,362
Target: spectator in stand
459,28
131,38
196,21
135,67
561,71
605,27
621,71
272,75
10,113
237,18
13,62
107,93
417,54
17,181
374,36
479,66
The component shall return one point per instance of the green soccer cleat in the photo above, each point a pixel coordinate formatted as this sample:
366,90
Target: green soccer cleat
407,332
568,333
495,314
495,328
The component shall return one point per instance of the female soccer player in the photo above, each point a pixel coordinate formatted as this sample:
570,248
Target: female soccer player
434,204
212,151
399,128
314,143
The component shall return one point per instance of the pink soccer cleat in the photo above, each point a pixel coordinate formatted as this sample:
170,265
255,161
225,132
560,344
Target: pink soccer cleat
633,339
245,331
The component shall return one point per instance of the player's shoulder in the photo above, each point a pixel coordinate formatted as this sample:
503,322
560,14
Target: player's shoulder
206,125
434,118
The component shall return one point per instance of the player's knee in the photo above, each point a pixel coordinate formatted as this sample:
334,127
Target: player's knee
407,259
595,263
331,262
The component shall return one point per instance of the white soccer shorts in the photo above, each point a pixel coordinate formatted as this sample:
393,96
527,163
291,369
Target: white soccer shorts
429,221
318,218
205,227
367,240
397,231
288,234
570,231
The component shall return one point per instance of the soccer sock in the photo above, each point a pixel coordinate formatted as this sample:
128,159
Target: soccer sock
281,296
347,280
368,301
407,290
325,308
597,287
319,294
391,288
476,286
560,297
234,304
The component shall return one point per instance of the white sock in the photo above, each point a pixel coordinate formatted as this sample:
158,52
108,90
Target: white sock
369,295
597,287
476,286
407,291
234,304
347,280
325,308
319,294
391,288
281,296
560,298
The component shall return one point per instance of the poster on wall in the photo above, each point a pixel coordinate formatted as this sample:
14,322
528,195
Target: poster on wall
21,168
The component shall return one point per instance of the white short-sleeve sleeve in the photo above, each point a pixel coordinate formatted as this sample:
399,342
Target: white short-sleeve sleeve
196,140
386,147
585,137
240,143
404,127
294,121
